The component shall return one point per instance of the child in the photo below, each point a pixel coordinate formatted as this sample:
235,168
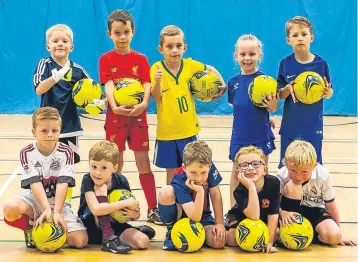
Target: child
307,189
248,53
188,196
48,170
95,210
54,79
177,120
123,123
257,196
301,121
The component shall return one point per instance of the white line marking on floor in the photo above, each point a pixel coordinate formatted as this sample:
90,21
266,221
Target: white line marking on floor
9,180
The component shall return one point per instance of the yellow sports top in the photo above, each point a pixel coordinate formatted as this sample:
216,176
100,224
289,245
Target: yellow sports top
176,112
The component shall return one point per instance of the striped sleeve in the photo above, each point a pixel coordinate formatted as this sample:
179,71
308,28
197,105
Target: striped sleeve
66,173
41,72
29,174
84,72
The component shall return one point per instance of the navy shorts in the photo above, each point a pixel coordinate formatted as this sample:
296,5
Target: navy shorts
267,147
95,233
169,154
286,141
206,220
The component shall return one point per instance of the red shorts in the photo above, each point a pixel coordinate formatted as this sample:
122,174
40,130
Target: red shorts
137,137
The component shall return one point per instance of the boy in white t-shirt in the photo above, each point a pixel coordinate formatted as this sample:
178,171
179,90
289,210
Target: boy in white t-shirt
47,173
307,189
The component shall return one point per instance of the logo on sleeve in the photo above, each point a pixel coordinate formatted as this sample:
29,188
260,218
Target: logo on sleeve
215,174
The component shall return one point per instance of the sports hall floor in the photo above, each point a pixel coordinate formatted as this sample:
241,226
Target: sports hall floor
339,156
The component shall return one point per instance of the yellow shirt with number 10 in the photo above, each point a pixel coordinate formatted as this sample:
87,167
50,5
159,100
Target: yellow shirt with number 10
176,112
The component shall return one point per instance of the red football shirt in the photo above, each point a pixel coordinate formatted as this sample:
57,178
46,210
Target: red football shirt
114,66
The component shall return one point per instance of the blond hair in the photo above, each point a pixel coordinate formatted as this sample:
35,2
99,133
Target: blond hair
250,37
60,27
45,113
300,153
249,150
104,150
170,30
298,20
197,151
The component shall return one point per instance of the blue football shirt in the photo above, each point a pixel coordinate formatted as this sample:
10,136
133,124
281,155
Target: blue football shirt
301,120
251,123
60,95
184,194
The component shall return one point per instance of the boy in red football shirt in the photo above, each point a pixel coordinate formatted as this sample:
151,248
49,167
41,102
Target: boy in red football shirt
124,124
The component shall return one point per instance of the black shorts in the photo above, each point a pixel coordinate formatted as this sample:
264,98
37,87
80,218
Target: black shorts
313,214
237,216
72,142
95,233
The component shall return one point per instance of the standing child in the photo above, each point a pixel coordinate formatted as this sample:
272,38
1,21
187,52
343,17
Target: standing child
307,189
251,124
48,170
188,196
257,196
177,120
125,124
301,121
95,210
54,79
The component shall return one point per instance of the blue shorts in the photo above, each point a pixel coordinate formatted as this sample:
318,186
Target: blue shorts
267,147
286,141
169,154
206,220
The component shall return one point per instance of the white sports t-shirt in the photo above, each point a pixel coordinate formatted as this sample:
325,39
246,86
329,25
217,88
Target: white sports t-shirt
58,167
317,191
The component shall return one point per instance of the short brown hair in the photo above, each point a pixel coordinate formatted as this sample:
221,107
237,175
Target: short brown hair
298,20
104,150
197,151
45,113
119,15
249,150
170,30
